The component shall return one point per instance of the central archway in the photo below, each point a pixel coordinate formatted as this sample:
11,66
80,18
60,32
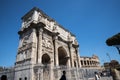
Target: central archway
62,56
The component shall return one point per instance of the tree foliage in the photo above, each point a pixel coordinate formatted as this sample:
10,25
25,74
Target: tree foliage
114,62
114,40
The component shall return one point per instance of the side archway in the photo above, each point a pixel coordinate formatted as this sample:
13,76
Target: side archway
45,59
75,64
3,77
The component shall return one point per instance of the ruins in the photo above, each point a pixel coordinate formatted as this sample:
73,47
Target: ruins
46,49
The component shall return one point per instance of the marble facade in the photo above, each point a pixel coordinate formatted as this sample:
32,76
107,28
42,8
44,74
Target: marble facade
46,49
43,43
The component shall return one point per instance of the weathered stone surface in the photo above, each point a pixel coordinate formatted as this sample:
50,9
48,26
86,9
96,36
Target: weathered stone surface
45,49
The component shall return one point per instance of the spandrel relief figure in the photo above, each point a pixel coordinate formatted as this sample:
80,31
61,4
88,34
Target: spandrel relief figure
69,37
75,42
43,42
21,56
49,45
39,17
25,40
24,54
55,29
46,43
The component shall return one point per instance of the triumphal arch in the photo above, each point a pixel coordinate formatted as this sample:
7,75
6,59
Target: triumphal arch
45,48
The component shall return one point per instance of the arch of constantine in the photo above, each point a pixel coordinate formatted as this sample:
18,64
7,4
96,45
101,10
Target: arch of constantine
46,49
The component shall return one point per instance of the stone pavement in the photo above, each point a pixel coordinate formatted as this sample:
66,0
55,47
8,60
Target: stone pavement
102,78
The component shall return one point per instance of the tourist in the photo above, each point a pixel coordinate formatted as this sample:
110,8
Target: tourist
96,76
63,77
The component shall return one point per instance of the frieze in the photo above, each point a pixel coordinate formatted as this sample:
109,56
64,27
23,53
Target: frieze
59,43
26,33
26,47
45,50
22,61
47,43
25,55
27,24
49,24
47,34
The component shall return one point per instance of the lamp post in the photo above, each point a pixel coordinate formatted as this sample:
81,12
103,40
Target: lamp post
118,48
108,56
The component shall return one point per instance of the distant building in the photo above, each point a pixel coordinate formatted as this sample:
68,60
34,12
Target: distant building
90,62
112,64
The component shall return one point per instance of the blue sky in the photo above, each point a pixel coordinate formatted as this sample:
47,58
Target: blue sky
92,21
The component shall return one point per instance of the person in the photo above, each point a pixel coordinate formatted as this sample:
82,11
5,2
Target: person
63,77
96,76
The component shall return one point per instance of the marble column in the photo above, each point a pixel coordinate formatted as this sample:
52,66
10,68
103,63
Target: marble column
69,62
40,45
78,57
51,72
38,75
70,52
56,63
90,63
34,45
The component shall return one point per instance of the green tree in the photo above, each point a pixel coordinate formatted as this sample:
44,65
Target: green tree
114,63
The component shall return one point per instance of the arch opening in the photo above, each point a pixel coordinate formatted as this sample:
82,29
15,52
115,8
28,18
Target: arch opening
75,64
62,56
45,59
3,77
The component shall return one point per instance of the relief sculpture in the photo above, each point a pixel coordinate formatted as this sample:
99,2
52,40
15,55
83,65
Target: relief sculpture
47,43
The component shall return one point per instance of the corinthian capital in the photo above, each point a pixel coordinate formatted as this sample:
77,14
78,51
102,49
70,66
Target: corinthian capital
40,30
